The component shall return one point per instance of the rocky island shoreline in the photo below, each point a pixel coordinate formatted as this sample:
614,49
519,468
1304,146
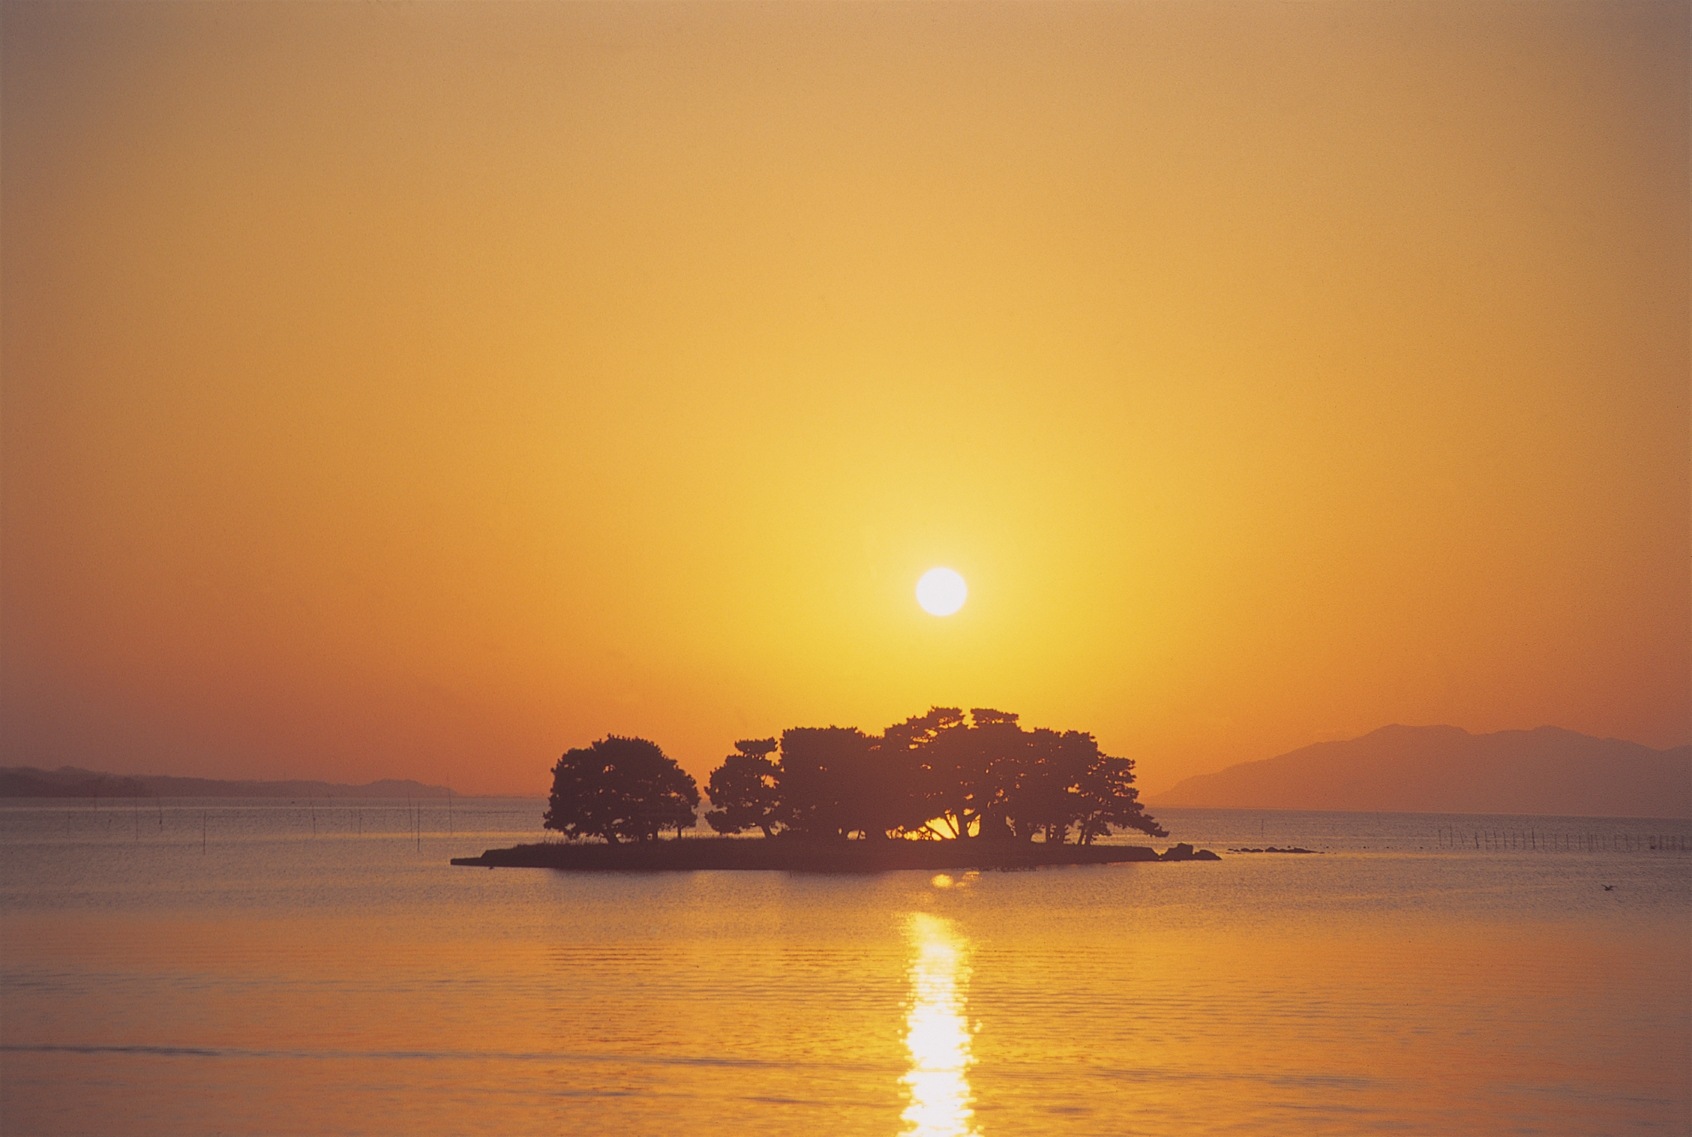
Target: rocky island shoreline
784,855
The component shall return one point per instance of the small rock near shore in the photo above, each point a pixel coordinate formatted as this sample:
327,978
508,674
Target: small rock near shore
1185,852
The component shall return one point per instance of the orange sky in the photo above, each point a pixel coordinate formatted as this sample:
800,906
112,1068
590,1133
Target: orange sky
423,390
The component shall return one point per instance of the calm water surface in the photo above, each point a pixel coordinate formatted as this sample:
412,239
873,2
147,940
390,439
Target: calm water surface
222,968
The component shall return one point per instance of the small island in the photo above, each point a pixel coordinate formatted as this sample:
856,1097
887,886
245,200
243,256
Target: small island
718,853
939,791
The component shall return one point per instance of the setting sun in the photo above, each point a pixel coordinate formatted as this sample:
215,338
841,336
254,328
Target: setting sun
941,592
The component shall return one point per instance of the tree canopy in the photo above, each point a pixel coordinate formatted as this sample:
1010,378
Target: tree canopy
743,789
620,789
935,776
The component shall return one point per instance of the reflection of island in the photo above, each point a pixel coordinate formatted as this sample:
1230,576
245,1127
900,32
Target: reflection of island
937,791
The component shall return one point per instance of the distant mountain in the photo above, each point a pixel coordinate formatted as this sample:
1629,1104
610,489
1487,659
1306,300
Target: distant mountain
70,781
1444,769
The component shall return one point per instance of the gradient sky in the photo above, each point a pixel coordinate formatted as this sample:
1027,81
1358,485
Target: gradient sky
422,390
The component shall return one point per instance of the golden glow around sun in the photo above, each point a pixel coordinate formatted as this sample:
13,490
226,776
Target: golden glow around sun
941,592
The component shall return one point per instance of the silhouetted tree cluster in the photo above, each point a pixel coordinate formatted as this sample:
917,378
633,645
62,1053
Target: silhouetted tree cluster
937,775
620,789
743,789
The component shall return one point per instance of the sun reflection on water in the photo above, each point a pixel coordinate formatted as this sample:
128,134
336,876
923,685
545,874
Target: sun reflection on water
936,1031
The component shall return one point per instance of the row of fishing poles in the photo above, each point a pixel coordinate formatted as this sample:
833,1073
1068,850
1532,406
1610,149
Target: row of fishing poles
1562,841
413,809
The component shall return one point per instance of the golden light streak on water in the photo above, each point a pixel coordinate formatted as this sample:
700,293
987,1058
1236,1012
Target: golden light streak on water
937,1031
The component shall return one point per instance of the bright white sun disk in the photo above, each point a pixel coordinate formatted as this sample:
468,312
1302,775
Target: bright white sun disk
941,592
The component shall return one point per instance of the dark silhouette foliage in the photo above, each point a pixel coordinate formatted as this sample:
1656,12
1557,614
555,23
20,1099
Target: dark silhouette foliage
620,789
743,789
832,782
941,775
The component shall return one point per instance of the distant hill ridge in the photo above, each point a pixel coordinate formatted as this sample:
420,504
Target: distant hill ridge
71,781
1445,769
